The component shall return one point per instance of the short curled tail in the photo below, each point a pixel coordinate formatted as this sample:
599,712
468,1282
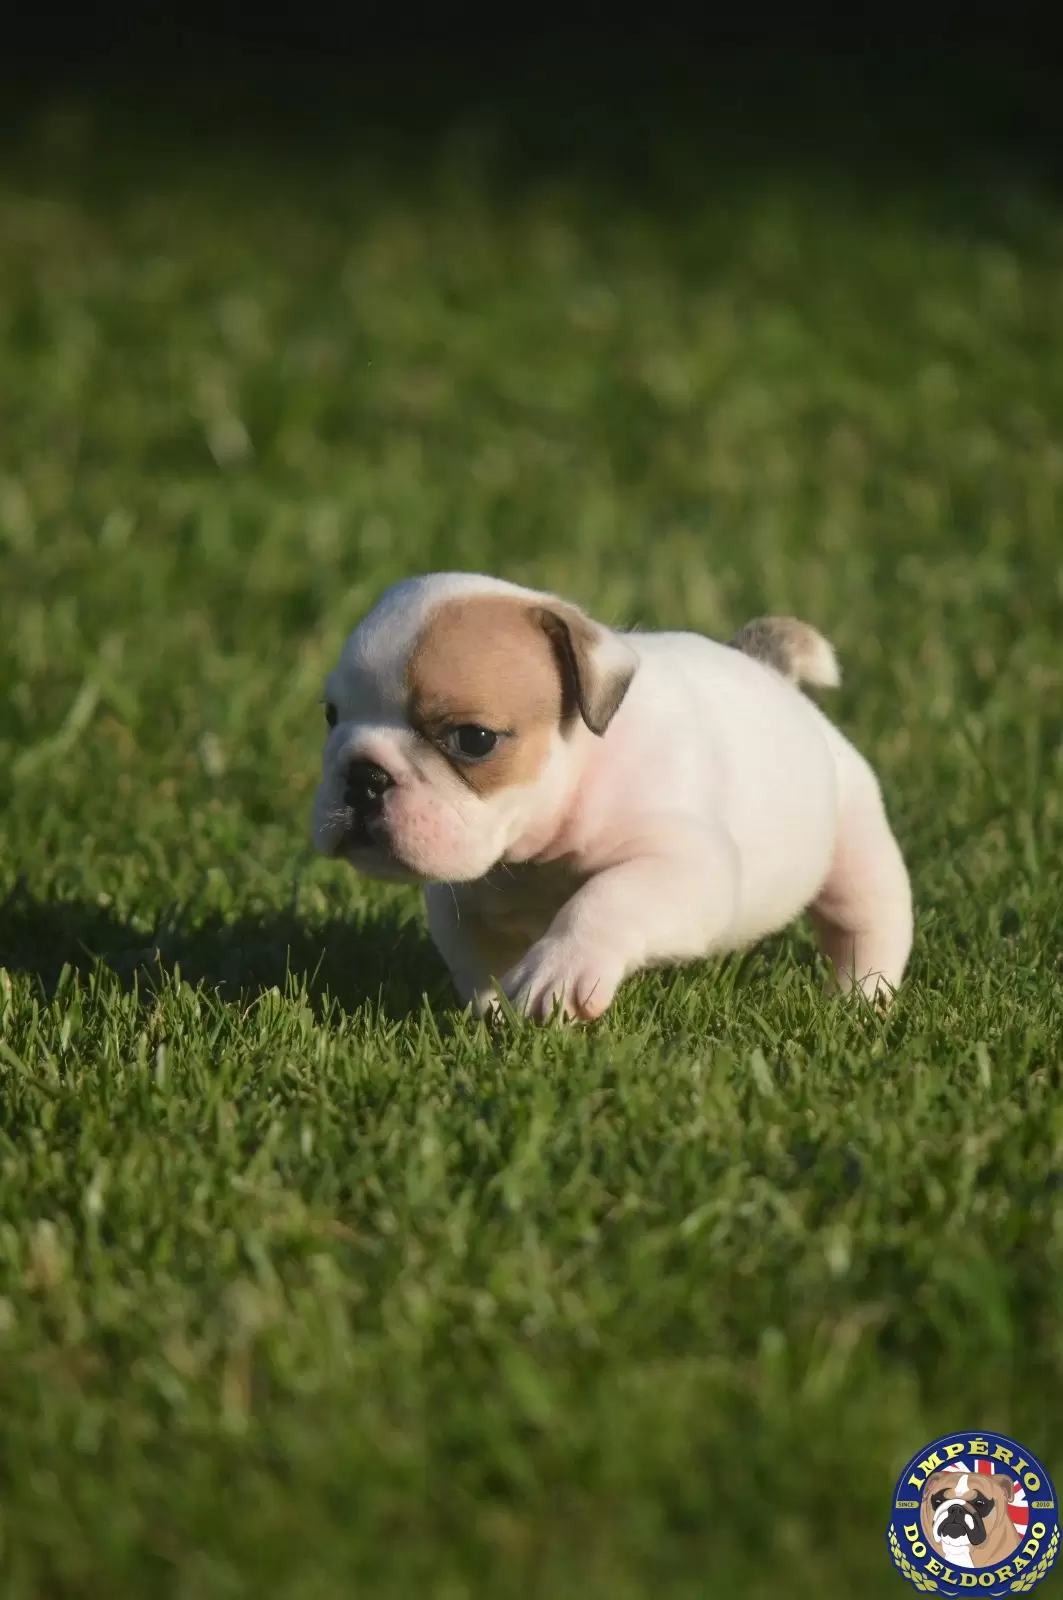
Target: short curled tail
792,648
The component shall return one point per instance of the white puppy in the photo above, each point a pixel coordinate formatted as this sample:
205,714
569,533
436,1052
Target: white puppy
581,803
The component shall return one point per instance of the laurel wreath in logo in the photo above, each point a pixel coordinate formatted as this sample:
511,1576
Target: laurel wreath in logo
1035,1574
919,1580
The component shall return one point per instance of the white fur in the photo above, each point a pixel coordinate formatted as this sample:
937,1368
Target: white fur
719,804
817,664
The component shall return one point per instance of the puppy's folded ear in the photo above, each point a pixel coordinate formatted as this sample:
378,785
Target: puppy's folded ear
597,665
1005,1484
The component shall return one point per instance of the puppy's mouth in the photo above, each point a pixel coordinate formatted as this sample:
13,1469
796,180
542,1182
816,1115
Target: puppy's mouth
367,846
959,1522
361,834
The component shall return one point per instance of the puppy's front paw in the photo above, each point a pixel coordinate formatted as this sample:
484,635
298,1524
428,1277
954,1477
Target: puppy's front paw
563,973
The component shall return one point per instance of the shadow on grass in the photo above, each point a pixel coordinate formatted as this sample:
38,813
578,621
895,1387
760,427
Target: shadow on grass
385,958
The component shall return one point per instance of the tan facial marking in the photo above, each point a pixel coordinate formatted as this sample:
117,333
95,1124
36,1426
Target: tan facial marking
487,660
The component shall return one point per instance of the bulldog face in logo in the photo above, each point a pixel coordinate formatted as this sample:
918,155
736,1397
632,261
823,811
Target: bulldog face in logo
965,1517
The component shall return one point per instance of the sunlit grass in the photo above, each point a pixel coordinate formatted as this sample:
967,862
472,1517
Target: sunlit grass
308,1286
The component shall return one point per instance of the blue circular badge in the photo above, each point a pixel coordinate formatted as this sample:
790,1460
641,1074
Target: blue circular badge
974,1514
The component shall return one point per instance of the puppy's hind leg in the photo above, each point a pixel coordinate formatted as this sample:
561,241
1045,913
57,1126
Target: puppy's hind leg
863,913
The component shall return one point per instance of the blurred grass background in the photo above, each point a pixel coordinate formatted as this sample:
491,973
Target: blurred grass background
307,1287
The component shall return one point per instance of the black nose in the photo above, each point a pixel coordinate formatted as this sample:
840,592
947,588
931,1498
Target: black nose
365,788
963,1518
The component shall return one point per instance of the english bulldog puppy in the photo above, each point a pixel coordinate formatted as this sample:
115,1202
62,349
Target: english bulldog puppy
582,803
965,1517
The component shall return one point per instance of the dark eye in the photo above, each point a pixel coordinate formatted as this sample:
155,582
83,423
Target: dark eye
936,1499
982,1504
470,742
330,714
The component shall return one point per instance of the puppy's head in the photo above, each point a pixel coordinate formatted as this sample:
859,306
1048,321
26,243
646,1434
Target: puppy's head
964,1508
451,720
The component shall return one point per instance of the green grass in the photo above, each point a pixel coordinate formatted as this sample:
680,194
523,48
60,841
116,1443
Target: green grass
308,1286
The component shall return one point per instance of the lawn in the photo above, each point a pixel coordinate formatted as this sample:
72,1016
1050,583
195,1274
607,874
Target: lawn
309,1286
